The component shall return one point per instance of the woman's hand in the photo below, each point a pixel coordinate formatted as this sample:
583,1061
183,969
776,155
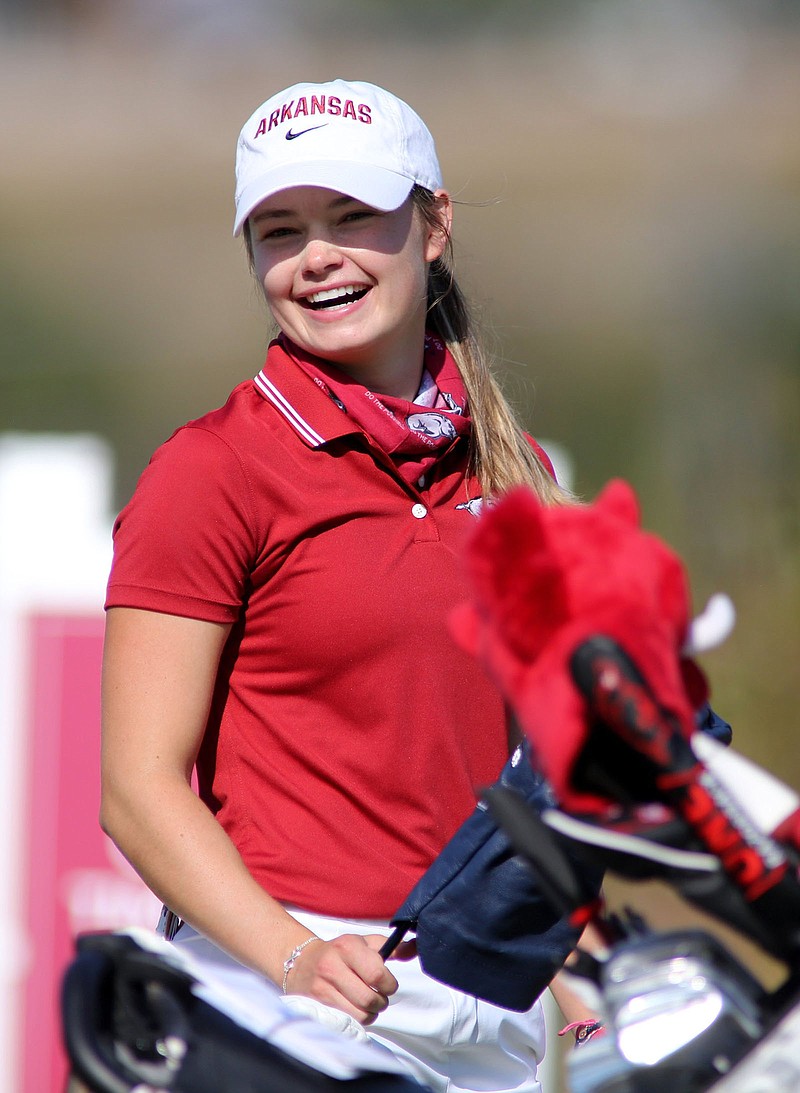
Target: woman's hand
347,973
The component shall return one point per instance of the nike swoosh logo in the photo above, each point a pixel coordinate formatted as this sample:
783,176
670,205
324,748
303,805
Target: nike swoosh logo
293,136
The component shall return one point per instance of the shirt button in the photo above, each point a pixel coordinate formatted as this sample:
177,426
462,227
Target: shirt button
421,480
419,511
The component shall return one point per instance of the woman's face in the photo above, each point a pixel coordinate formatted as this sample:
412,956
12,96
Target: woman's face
349,283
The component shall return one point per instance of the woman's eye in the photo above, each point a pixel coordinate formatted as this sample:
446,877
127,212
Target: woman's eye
264,234
278,233
358,214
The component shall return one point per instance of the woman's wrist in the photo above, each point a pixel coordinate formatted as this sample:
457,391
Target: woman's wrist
293,957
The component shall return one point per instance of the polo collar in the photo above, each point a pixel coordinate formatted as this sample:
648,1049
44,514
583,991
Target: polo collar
308,409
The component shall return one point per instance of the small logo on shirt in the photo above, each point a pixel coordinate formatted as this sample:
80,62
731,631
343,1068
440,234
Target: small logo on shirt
472,506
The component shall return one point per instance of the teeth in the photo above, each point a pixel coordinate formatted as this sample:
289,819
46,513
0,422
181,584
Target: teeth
334,294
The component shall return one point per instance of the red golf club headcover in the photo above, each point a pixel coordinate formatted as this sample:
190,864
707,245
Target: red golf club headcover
546,578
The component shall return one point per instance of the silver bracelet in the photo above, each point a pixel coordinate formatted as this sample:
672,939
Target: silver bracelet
292,960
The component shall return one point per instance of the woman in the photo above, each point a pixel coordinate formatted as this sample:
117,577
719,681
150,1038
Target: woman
277,607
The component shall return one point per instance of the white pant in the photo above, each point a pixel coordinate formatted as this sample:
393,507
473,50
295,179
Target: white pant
449,1041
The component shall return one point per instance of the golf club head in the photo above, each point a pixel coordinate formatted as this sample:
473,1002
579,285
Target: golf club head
679,1011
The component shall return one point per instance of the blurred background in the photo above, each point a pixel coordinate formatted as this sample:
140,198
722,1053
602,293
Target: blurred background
628,179
630,233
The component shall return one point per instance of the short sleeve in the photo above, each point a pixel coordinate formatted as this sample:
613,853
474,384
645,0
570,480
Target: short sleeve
185,543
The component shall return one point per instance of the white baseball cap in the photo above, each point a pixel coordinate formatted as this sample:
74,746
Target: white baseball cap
354,138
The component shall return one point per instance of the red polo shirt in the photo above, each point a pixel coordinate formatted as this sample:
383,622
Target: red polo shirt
348,735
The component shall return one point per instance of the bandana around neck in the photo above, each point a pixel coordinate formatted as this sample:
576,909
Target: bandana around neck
414,434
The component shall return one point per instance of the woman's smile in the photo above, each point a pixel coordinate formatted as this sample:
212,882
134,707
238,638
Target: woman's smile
329,299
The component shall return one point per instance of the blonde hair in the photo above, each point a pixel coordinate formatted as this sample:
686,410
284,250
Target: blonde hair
502,455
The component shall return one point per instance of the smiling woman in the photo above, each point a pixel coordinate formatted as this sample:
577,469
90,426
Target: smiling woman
279,599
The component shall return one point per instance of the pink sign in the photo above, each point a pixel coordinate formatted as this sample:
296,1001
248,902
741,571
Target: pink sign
77,881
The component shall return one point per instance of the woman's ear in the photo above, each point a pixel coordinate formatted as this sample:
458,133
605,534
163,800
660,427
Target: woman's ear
439,233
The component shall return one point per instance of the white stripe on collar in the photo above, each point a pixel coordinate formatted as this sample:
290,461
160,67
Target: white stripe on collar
279,401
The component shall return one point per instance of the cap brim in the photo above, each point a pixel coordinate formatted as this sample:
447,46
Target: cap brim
375,186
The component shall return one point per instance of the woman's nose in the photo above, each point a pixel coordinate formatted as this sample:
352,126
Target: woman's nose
321,255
